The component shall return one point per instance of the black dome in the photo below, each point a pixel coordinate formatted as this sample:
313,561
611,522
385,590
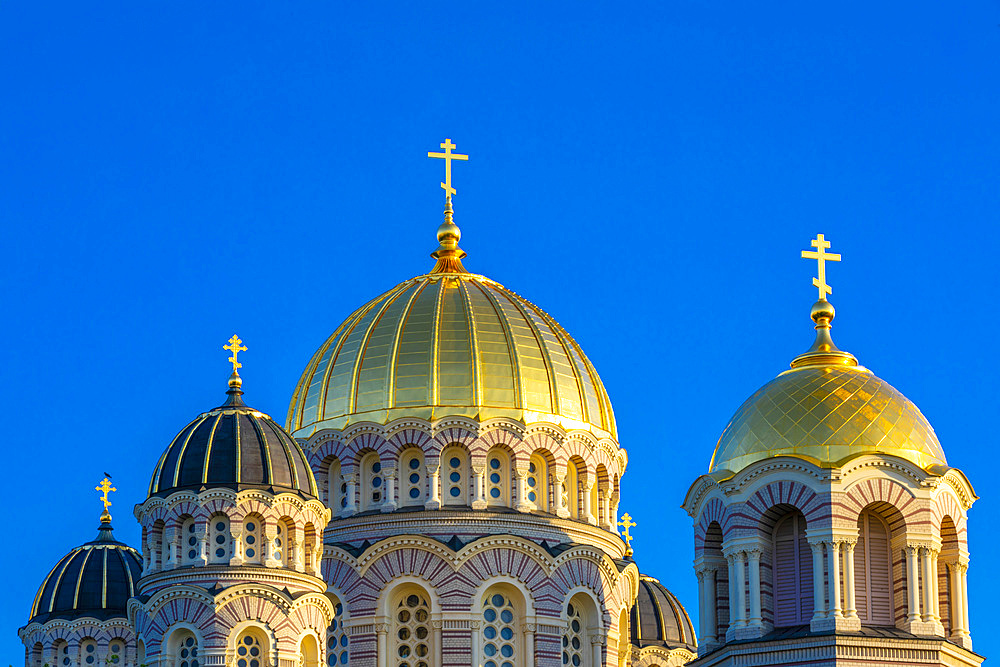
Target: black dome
233,447
659,619
94,580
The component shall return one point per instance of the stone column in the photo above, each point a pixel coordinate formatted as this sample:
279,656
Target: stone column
819,595
597,649
833,551
739,564
383,644
912,585
557,497
702,575
236,535
479,477
610,519
476,644
173,541
928,585
756,619
389,499
521,502
352,492
963,569
528,632
436,634
712,613
588,489
936,594
434,481
849,604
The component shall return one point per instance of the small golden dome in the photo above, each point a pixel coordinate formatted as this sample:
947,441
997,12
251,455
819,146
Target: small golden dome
826,409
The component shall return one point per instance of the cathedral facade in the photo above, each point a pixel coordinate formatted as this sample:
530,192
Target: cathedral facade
445,492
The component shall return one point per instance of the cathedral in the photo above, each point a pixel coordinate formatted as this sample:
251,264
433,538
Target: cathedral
444,492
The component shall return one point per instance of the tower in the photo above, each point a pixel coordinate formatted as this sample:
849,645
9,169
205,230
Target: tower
830,528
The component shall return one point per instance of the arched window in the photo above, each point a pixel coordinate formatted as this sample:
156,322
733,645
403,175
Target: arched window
792,572
116,651
336,640
184,647
189,542
36,654
574,642
309,652
281,547
253,547
411,477
498,478
88,652
140,652
412,630
61,650
873,571
947,559
538,482
251,649
455,476
336,488
500,641
372,484
718,623
218,545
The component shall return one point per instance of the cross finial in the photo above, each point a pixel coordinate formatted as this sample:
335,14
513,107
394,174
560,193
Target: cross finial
105,487
822,257
236,346
627,523
448,156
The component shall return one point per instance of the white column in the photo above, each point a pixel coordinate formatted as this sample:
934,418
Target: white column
436,634
712,614
609,518
739,563
756,620
597,648
352,490
389,499
521,503
587,514
936,593
528,632
912,585
833,551
702,604
928,585
479,475
819,595
557,497
962,575
434,481
383,645
849,605
475,645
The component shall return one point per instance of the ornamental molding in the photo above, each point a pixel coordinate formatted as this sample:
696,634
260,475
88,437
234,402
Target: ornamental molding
513,426
454,421
898,465
122,626
158,600
234,593
959,483
548,429
696,495
747,475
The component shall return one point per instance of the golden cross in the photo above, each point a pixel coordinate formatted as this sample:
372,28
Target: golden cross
448,157
822,257
237,346
105,487
627,523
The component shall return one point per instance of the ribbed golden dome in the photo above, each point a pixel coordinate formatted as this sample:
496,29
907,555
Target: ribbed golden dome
826,409
450,343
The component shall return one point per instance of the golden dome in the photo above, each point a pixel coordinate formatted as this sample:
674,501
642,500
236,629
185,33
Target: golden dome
450,343
826,409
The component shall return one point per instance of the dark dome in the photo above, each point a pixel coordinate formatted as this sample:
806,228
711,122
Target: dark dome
94,580
233,447
659,619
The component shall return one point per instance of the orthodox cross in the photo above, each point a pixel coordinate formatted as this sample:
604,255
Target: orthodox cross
448,156
237,346
822,257
105,487
627,523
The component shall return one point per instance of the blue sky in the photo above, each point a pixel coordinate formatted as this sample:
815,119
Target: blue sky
646,172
